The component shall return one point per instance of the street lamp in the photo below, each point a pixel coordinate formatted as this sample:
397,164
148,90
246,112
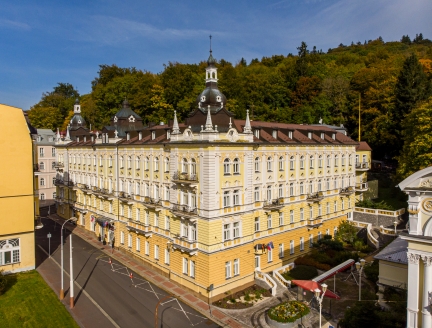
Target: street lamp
320,299
395,225
360,267
73,219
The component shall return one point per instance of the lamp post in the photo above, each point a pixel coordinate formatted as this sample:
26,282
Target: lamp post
360,267
320,299
395,225
61,245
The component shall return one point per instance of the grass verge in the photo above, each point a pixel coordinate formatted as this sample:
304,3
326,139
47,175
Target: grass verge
29,302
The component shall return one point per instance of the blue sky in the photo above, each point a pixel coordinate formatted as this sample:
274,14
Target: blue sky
45,42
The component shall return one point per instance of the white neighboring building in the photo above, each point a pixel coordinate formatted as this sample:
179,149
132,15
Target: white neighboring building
46,156
418,186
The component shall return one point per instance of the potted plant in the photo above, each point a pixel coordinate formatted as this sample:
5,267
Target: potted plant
286,314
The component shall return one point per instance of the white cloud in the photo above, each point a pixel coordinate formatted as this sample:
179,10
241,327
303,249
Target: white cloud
7,23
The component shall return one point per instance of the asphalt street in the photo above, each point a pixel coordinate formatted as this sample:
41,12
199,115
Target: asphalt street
129,303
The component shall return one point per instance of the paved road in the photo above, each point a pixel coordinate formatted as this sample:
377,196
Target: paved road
128,304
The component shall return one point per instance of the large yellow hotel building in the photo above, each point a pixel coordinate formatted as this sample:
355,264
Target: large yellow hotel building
197,200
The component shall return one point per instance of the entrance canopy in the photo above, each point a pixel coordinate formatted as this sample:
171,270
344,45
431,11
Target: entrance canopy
312,285
330,273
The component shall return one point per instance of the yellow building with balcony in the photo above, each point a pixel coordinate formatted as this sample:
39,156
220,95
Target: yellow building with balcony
18,202
213,200
362,165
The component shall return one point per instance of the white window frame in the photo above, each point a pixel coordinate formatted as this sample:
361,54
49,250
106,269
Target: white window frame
122,237
281,251
301,243
147,248
156,252
185,265
257,224
137,244
13,247
269,255
167,256
269,221
292,247
236,267
129,240
281,219
228,270
192,269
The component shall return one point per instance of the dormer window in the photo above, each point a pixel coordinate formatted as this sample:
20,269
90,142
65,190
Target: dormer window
131,119
153,135
256,133
39,138
310,135
218,98
322,135
168,134
274,134
334,136
115,119
139,135
203,98
290,134
127,136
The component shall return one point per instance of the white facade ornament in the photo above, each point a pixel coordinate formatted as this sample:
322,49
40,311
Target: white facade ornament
413,258
115,119
67,133
247,128
116,133
176,129
97,134
58,135
209,124
131,119
427,204
427,260
426,183
230,124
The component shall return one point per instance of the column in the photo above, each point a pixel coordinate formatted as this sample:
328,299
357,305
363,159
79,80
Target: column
427,292
413,288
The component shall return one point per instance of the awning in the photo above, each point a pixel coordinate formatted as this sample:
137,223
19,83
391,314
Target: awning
330,273
312,285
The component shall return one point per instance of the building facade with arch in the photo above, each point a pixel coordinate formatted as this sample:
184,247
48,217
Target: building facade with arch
212,200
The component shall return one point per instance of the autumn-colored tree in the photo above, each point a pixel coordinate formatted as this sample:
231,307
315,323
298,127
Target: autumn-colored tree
46,117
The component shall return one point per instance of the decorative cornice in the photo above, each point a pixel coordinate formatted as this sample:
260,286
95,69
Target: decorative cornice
427,260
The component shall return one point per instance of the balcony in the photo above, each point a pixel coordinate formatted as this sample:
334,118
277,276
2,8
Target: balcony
361,187
362,166
144,230
58,165
184,211
273,205
154,203
185,245
59,182
346,191
315,197
314,223
184,178
36,169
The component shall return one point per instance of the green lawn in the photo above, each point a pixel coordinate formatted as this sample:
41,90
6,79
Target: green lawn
29,302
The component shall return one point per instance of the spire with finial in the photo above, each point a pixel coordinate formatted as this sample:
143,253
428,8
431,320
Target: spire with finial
67,133
58,137
247,128
209,124
175,129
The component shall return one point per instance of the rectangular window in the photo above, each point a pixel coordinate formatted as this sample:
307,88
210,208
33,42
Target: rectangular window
228,270
129,241
257,262
256,194
138,245
185,266
156,220
138,214
236,267
281,219
319,236
291,247
192,269
269,221
147,218
122,237
236,229
311,241
301,214
167,256
281,251
147,248
110,207
343,204
236,198
328,208
269,255
311,213
226,232
319,210
335,206
257,225
292,216
167,222
327,232
226,199
156,252
302,243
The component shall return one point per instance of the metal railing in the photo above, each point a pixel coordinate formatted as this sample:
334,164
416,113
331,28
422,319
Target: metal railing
362,165
346,191
185,209
274,203
315,197
180,176
362,186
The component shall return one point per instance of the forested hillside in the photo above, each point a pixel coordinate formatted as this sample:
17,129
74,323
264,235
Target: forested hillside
390,79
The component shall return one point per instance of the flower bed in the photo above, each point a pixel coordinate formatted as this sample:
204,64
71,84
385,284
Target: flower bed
288,311
244,298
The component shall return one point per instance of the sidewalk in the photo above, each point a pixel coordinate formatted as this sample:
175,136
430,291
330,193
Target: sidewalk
162,282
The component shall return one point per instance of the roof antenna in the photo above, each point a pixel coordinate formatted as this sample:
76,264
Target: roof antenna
210,45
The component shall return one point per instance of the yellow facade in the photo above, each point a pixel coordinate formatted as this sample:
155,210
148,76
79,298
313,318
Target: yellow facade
17,192
363,164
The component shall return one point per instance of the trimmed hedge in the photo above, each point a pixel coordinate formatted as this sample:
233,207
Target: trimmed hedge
288,311
301,272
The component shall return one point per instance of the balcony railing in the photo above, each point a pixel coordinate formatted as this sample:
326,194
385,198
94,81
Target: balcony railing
362,186
273,204
58,165
362,166
315,197
185,209
184,177
58,182
346,191
185,245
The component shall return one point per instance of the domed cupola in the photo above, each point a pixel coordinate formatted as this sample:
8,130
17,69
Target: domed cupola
211,96
77,120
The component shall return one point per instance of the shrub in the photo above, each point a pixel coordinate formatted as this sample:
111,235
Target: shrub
3,282
303,272
288,311
247,297
372,271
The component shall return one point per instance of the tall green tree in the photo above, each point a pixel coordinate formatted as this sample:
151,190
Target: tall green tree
46,117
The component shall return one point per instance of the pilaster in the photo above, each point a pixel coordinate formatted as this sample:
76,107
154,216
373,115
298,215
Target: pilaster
427,291
413,290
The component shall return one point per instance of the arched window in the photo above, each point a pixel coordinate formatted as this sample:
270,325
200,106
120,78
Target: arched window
53,164
328,160
291,189
146,163
320,162
156,164
100,160
269,193
336,162
301,163
269,164
121,164
281,163
42,196
42,181
227,167
319,185
257,164
137,162
110,161
280,191
41,166
311,187
236,166
192,166
301,188
137,188
129,162
184,165
166,164
343,161
311,162
292,161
